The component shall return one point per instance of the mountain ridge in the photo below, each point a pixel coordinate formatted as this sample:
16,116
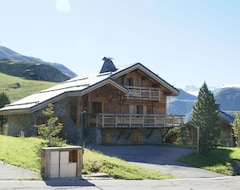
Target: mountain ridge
32,68
227,97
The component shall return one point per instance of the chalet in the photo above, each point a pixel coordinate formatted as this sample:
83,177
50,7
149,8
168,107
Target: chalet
226,118
125,105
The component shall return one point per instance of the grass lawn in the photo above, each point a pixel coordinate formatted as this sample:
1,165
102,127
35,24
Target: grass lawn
220,160
26,88
20,152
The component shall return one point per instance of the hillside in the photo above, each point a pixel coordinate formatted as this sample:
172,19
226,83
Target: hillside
229,99
13,63
181,104
17,88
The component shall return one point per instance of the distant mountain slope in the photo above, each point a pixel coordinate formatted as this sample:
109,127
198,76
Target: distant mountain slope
229,99
16,64
17,88
183,95
181,104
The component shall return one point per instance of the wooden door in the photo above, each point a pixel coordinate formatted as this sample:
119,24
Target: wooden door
107,138
137,137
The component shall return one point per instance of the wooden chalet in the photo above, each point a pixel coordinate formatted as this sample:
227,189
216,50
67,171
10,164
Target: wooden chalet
226,138
125,105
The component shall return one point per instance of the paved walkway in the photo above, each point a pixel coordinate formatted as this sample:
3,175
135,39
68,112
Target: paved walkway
154,157
222,183
160,158
9,172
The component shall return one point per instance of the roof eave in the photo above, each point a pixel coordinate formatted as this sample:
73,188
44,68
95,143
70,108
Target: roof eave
15,111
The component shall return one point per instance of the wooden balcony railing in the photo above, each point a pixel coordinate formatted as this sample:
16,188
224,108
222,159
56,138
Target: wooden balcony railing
138,121
143,93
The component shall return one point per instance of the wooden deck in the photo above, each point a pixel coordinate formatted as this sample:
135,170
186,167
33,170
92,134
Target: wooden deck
138,121
143,93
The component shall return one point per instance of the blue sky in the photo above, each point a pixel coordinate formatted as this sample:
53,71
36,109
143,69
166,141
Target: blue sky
185,42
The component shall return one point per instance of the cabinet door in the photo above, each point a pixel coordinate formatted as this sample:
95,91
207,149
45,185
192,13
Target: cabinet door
54,164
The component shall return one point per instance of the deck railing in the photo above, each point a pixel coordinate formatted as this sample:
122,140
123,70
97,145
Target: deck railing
143,93
138,121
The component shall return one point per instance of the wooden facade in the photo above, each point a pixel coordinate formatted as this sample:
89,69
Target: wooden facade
142,107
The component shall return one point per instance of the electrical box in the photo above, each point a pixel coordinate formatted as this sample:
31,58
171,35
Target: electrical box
61,162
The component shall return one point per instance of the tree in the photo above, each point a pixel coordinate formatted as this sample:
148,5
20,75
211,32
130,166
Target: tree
236,128
49,130
183,136
4,99
206,120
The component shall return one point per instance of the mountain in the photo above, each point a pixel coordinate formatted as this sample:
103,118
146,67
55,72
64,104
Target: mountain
15,64
191,89
181,104
228,97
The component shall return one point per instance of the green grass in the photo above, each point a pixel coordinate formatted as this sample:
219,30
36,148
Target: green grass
220,160
27,87
19,151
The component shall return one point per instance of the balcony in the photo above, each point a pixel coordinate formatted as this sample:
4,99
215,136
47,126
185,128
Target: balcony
138,121
143,93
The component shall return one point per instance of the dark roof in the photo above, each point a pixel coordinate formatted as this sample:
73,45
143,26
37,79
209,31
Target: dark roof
108,65
226,116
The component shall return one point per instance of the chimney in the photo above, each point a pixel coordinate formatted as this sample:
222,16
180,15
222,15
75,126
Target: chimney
108,65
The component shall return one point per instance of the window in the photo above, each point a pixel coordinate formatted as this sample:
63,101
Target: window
138,109
73,113
96,107
129,81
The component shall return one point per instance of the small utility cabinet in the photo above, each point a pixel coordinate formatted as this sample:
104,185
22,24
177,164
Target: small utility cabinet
61,162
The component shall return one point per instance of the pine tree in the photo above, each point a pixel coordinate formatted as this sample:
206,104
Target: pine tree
236,128
183,136
206,120
49,131
4,99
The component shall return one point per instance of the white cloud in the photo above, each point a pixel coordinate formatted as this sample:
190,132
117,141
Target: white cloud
63,5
